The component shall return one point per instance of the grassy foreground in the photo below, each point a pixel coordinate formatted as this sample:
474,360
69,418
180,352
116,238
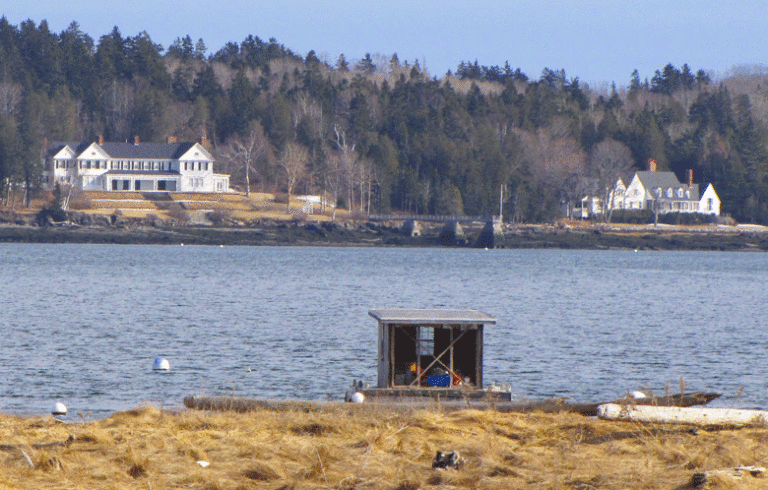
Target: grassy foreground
363,447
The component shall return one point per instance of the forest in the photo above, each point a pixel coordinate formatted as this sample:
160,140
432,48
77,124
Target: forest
377,134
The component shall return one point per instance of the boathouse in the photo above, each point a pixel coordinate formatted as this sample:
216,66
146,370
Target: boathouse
423,350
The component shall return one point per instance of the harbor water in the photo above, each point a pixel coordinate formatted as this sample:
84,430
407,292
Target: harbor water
82,324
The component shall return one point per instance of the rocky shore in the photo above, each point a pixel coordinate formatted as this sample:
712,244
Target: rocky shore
105,229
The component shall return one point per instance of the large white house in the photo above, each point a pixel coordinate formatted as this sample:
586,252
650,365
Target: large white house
658,191
142,167
662,192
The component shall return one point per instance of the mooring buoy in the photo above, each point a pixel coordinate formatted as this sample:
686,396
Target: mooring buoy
161,364
59,409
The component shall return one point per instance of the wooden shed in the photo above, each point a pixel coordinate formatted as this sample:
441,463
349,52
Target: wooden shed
428,349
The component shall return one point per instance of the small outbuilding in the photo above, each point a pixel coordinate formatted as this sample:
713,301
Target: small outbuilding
428,350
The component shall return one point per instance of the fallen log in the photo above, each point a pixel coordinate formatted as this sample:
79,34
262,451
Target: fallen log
700,416
10,447
555,405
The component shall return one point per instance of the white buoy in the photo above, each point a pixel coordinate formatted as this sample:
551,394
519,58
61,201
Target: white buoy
59,409
161,364
357,397
637,394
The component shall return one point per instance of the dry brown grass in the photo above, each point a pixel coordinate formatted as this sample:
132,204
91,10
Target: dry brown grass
138,205
360,447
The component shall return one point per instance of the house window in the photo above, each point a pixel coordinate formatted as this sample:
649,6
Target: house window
709,204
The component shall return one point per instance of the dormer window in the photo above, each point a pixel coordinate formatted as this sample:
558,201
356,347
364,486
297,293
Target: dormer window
679,193
669,192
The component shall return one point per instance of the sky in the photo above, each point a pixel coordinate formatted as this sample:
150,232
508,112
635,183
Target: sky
598,41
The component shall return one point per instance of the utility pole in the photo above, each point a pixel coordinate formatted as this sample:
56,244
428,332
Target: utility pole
501,201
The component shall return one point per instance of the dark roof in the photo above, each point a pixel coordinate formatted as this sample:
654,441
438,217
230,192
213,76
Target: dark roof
77,146
651,180
432,317
665,180
154,151
142,151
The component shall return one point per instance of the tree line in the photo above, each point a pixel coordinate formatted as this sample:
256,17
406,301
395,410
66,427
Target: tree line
377,134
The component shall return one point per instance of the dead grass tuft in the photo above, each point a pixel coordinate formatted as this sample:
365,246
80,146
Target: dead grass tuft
262,472
137,471
313,429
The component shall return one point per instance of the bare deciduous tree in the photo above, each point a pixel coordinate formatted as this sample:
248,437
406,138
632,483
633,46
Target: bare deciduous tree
294,162
609,161
10,98
118,101
558,163
243,153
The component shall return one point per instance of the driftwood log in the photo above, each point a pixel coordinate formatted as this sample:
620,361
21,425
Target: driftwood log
700,416
241,404
590,409
11,447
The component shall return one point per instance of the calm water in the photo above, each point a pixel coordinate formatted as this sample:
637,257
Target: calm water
83,323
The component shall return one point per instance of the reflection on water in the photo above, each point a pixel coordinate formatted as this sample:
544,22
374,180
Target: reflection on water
83,323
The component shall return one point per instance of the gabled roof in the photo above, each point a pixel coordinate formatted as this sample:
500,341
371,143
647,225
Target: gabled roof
141,151
666,180
148,151
651,180
76,146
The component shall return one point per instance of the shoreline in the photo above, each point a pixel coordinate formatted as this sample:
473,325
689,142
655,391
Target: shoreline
367,234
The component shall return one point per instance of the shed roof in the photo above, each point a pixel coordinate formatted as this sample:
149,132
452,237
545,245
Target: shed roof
432,316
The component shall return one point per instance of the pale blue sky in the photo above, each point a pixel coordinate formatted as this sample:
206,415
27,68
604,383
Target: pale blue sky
595,40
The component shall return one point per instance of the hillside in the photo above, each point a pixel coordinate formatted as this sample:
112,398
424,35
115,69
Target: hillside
382,134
